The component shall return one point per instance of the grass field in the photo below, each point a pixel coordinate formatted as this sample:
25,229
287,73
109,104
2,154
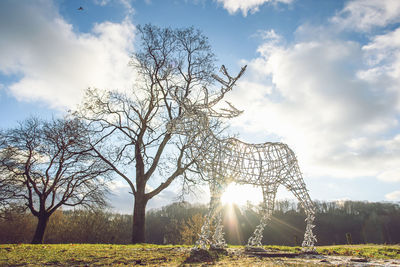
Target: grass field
156,255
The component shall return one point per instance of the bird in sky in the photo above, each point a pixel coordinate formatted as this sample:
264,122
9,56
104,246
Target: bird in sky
80,8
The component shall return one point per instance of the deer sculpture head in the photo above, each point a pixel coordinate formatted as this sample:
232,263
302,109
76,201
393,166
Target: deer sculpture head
195,117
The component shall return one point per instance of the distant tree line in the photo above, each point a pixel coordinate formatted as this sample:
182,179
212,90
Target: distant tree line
179,223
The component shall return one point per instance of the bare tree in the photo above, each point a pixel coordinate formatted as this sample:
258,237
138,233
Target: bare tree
50,165
9,188
130,129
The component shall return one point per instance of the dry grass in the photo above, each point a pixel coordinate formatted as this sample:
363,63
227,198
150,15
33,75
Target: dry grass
156,255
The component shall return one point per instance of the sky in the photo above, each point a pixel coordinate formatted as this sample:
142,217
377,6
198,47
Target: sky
322,76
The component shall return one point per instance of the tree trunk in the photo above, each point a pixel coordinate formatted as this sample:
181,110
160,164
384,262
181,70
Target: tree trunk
139,218
40,229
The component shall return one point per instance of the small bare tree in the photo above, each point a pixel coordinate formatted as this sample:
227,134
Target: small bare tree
130,129
50,165
9,188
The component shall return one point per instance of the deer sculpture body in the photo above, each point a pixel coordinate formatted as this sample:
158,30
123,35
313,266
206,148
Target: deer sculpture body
225,160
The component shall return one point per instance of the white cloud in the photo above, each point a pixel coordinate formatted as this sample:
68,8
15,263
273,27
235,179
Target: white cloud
251,6
383,56
54,62
320,98
127,4
390,176
364,15
117,184
393,196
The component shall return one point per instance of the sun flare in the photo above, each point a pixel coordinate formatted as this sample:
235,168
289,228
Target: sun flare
240,194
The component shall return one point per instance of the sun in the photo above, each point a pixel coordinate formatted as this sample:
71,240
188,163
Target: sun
241,194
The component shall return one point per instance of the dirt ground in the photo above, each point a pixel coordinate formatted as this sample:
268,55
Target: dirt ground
238,257
324,260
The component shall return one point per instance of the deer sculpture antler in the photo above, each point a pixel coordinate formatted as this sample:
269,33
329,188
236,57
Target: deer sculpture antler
208,105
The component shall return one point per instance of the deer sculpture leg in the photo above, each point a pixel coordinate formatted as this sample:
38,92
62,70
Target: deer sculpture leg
296,185
214,217
218,240
269,192
308,206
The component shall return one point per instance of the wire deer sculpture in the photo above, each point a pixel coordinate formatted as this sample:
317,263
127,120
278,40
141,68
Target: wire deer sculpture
225,160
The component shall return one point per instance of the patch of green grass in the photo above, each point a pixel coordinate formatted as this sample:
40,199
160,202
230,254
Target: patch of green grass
283,249
92,254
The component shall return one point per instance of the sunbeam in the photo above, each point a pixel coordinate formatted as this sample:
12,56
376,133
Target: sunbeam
241,194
